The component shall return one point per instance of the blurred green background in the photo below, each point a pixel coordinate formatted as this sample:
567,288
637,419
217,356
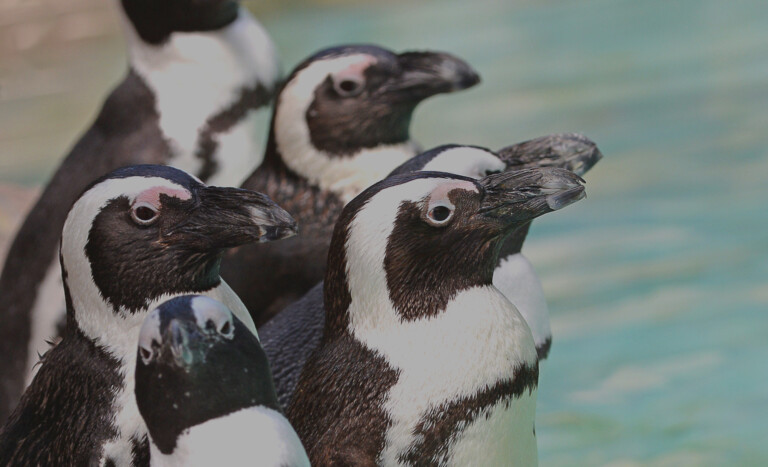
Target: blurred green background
658,282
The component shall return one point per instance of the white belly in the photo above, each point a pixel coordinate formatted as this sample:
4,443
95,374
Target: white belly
499,436
517,280
253,436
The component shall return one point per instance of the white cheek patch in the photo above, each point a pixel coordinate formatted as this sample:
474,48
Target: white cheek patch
466,161
152,196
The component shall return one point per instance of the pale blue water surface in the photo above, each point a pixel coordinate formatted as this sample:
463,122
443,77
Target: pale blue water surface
658,281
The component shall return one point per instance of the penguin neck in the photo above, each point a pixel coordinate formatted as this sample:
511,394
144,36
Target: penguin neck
346,175
205,82
513,244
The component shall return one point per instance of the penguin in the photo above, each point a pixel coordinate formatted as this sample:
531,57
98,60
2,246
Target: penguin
514,275
290,336
199,74
205,392
422,360
136,238
340,123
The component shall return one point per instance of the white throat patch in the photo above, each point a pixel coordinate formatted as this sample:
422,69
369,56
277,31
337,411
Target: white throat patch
346,176
196,75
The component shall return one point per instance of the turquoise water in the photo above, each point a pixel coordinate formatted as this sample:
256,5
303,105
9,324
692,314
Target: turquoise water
658,281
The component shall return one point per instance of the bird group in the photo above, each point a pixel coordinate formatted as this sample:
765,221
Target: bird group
357,301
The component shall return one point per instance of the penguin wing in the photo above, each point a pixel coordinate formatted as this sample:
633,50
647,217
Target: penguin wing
64,416
290,338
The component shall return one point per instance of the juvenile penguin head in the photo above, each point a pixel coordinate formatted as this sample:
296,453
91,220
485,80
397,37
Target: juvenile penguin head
196,362
155,20
346,100
416,240
144,232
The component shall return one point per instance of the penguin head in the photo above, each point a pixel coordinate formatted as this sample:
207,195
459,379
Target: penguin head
144,232
416,240
155,20
347,100
196,362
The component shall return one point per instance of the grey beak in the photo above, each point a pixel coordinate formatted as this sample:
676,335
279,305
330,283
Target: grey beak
570,151
516,197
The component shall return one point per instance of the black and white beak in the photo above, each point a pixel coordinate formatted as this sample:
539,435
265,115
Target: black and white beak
516,197
229,217
570,151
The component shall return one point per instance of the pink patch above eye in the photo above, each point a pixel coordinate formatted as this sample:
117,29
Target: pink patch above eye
441,192
355,71
152,195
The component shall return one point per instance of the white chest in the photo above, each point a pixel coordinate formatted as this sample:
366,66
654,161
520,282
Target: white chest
253,436
496,436
194,77
479,340
517,280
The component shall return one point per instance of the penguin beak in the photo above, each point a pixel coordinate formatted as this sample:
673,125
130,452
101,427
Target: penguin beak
184,344
570,151
516,197
229,217
428,73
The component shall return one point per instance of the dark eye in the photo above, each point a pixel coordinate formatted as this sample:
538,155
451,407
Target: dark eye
439,215
144,214
348,87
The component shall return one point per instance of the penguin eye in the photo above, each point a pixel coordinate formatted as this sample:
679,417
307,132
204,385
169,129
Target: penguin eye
348,87
144,213
439,215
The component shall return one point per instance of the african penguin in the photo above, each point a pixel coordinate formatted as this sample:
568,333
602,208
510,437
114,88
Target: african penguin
423,361
290,336
205,392
341,123
198,71
134,239
514,275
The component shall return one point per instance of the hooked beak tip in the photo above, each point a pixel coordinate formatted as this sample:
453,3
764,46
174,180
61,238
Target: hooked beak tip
565,198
